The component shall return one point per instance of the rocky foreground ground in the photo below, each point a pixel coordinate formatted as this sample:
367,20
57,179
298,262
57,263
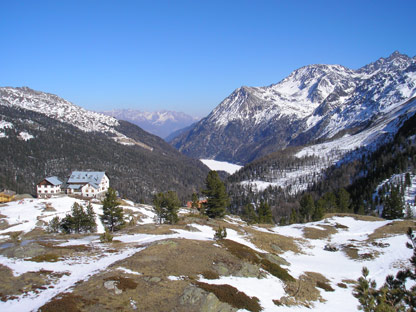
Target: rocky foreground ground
151,267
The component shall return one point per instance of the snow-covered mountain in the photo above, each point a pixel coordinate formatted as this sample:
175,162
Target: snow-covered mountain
62,110
57,108
315,102
161,123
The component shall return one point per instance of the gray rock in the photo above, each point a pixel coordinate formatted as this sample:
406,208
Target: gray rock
200,300
26,251
248,270
190,228
276,259
111,285
221,268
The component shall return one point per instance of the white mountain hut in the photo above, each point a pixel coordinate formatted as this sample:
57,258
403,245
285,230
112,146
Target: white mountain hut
92,184
48,187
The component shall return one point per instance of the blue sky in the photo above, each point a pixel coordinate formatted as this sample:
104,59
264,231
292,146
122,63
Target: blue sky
188,55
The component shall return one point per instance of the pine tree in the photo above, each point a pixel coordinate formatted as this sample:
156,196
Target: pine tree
158,206
221,233
343,200
166,207
112,217
78,217
307,207
330,202
249,214
90,225
408,180
393,205
217,198
66,224
319,211
264,213
171,204
409,212
195,201
54,225
394,294
293,216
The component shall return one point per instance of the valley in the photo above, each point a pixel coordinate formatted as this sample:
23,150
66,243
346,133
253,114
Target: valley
317,179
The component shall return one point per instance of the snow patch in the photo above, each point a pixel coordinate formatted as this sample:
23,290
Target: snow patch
221,165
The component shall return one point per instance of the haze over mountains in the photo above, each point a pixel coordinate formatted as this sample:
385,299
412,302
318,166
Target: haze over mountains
315,103
161,123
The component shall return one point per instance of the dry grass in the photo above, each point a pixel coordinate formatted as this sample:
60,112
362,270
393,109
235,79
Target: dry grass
393,228
145,292
12,286
352,252
324,286
48,208
50,257
122,283
180,257
35,233
63,303
210,275
247,254
353,215
274,243
67,302
161,229
314,233
303,291
122,202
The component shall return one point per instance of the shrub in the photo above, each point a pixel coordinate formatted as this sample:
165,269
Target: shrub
324,286
246,253
232,296
45,258
221,233
54,225
394,294
241,251
210,275
106,237
276,270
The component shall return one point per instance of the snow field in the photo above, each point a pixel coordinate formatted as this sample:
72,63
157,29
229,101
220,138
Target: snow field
220,165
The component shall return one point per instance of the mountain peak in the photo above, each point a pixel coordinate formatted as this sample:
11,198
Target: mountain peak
161,123
315,102
395,61
396,54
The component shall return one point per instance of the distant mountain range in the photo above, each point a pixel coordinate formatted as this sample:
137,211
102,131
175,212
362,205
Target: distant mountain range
314,104
161,123
42,134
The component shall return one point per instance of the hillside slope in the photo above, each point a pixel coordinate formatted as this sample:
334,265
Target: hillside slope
153,267
44,135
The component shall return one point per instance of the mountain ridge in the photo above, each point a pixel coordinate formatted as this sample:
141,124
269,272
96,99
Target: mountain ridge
313,102
161,123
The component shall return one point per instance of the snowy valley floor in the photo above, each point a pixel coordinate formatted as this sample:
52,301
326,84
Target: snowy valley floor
152,267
